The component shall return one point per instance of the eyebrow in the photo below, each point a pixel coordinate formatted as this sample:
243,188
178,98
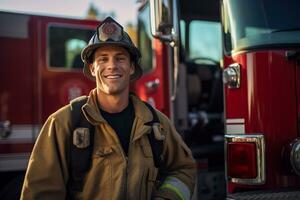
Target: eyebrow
117,54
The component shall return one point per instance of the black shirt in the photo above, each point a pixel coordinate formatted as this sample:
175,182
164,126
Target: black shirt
121,123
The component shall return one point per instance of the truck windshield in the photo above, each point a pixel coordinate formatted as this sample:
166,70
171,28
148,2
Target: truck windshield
250,24
205,40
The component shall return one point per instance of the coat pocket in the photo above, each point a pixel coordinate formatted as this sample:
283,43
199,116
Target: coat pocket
99,178
147,151
103,152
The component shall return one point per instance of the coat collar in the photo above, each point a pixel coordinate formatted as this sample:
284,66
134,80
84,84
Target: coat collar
91,110
142,113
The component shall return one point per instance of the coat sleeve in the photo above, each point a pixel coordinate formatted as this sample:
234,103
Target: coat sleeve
47,171
178,171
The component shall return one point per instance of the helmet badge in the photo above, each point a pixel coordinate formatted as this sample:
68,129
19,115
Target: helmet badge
110,30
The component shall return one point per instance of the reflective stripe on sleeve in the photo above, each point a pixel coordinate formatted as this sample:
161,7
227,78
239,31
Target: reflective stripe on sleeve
177,186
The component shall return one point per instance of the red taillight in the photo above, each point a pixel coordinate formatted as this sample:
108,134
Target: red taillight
241,160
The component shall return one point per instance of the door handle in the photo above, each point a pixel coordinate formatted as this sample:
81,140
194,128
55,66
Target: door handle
5,129
152,84
232,76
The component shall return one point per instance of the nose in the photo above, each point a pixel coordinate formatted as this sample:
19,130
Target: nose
112,63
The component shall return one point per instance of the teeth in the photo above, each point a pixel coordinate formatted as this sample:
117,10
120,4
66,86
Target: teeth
113,76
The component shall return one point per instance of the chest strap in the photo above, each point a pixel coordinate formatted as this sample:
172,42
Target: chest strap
80,158
156,145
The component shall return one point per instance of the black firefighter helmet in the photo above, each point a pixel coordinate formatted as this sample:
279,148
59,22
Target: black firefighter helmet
111,32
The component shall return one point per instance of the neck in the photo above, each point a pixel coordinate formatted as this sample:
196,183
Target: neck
112,103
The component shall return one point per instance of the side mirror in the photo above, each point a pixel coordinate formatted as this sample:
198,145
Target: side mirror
163,14
164,26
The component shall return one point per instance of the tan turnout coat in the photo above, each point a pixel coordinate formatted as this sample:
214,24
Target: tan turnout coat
112,174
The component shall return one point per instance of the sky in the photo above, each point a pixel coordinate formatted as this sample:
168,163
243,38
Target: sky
125,10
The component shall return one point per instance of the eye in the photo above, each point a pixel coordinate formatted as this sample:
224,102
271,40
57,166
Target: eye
102,59
121,58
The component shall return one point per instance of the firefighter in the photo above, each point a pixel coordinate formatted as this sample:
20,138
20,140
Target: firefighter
123,161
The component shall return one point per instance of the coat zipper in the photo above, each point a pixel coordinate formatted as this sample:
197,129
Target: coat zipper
126,160
126,169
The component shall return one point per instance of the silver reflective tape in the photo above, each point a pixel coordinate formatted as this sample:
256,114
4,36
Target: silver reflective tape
235,121
235,128
22,133
14,162
178,187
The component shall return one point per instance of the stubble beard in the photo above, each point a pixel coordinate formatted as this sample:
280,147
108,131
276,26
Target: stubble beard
113,89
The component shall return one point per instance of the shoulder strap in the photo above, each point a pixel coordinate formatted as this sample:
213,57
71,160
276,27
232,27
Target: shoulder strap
156,145
80,158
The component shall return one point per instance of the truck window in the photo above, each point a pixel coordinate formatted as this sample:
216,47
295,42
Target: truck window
182,34
274,23
65,45
145,39
205,45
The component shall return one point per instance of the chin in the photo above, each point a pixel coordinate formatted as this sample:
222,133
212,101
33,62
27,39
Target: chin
114,91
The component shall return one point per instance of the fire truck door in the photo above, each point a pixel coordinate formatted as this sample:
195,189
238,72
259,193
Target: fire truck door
153,86
60,65
16,91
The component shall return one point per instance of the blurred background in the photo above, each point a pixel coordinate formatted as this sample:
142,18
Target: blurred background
124,11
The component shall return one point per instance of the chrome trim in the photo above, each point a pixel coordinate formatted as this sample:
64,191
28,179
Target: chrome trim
295,156
259,140
152,84
158,27
156,21
5,129
235,121
21,133
232,76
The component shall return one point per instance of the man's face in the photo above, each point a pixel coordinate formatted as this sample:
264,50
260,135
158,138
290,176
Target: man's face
112,69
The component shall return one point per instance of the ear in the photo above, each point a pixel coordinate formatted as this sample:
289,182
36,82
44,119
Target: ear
132,68
92,69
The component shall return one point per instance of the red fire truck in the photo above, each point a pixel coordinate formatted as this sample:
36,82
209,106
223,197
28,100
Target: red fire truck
260,68
41,70
182,78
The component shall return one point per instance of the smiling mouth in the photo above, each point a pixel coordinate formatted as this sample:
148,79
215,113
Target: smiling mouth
114,76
